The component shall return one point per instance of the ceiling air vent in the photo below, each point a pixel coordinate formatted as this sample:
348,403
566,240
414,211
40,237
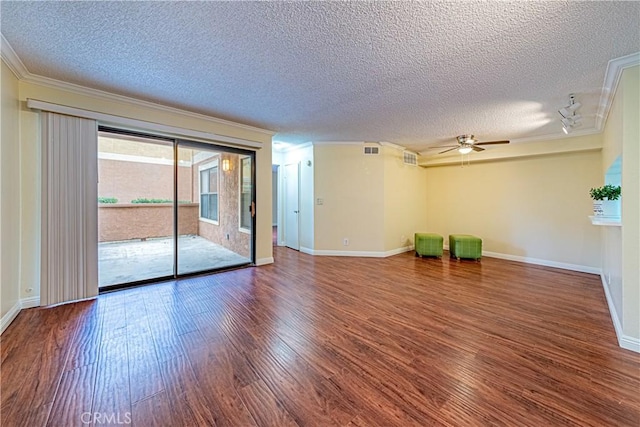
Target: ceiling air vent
410,158
371,150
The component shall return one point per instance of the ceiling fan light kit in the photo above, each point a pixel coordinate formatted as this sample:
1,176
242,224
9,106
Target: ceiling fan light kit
467,144
569,117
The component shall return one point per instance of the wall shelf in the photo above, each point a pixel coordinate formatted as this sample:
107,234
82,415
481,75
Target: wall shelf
610,221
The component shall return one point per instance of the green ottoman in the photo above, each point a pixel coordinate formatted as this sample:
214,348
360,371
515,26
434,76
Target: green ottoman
465,246
428,244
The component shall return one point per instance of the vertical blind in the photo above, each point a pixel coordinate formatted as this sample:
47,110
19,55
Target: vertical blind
69,209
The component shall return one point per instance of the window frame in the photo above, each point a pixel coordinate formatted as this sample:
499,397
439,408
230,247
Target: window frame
205,167
241,228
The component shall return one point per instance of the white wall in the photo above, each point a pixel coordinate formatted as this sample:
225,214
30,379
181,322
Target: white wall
529,208
10,198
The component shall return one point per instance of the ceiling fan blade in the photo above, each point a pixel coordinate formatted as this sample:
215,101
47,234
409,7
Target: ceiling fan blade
477,148
442,146
491,142
450,149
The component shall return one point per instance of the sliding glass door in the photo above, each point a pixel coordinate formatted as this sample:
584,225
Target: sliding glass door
135,208
170,207
212,233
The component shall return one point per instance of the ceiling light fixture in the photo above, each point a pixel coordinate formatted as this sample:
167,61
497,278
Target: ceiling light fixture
465,150
569,117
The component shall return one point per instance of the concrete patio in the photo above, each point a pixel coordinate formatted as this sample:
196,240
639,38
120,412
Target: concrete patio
135,260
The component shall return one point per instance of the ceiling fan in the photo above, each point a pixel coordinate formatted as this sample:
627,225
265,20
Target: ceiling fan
468,143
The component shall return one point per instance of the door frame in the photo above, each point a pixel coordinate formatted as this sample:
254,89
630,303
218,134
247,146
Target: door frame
177,143
286,223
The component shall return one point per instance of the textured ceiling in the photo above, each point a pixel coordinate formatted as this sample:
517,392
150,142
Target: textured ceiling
411,73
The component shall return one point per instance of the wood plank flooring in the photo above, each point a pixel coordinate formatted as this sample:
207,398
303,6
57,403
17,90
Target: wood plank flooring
325,341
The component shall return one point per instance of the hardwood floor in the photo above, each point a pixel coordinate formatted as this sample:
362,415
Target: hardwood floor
324,341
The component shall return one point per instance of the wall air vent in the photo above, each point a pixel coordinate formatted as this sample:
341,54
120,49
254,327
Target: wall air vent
371,150
410,158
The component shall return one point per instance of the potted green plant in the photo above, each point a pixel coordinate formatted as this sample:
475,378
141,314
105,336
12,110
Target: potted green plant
606,200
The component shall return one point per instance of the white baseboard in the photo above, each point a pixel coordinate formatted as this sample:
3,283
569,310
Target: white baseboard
538,261
305,250
264,261
30,302
399,251
10,316
364,254
15,310
624,341
629,343
544,262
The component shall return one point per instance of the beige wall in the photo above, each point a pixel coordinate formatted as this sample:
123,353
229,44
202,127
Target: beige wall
620,250
532,207
630,90
405,206
375,201
611,249
30,161
351,185
10,193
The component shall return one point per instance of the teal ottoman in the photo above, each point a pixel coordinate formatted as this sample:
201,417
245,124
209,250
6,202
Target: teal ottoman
428,244
465,246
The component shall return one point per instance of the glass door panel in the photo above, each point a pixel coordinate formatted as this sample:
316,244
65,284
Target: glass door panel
210,233
135,208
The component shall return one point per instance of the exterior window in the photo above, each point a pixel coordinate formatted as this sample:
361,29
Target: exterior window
245,194
209,193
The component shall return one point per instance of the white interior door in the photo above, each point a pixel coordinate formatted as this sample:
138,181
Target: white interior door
292,207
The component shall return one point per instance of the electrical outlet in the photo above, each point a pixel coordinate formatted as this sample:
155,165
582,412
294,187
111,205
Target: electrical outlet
345,242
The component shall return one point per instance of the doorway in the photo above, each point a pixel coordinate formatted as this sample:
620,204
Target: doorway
169,207
292,206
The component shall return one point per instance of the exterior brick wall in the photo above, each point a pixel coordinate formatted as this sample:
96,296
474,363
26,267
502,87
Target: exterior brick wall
140,221
127,181
227,232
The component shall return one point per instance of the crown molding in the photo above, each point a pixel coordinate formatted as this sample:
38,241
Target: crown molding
342,142
18,68
392,145
615,68
97,93
559,135
294,147
11,58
